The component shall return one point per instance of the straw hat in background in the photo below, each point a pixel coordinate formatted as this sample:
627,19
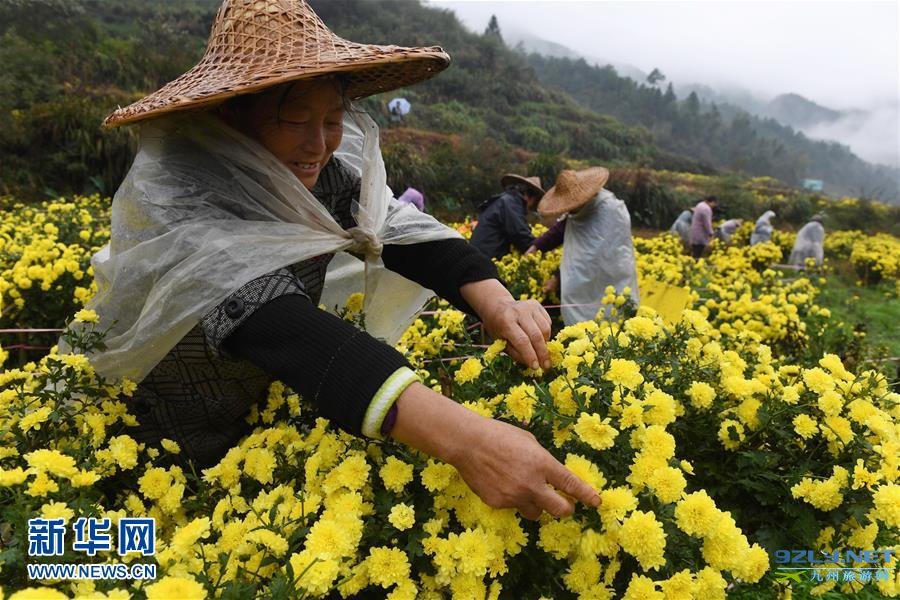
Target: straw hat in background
533,183
573,189
256,44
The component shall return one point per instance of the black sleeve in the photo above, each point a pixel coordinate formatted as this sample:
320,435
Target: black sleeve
516,223
321,357
442,266
553,237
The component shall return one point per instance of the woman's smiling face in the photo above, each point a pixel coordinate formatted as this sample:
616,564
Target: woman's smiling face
300,124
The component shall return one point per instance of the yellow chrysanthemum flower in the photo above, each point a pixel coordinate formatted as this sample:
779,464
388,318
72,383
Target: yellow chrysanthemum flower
595,432
624,372
169,587
643,537
468,371
402,516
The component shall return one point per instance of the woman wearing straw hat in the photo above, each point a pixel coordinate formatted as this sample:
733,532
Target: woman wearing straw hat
596,239
252,174
503,219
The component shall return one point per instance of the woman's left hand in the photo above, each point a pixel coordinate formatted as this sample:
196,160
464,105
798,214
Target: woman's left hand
524,324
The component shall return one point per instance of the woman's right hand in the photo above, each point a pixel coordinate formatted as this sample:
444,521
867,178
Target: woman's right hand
503,464
508,468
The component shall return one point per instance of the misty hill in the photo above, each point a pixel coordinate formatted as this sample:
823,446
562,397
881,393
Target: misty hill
872,134
731,95
788,109
801,130
526,42
69,62
56,89
798,112
722,135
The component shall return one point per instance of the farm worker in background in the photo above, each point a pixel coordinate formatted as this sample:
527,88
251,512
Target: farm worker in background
503,221
809,243
682,225
726,230
398,108
550,240
701,225
414,197
596,239
222,232
763,230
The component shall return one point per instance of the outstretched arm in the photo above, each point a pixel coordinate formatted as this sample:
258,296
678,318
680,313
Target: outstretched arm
503,464
318,355
462,275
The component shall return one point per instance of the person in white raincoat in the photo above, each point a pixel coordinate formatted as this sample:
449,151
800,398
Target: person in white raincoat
809,243
597,246
726,230
763,230
223,235
682,225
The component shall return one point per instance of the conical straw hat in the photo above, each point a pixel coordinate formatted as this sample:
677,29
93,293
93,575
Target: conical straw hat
533,182
572,190
255,44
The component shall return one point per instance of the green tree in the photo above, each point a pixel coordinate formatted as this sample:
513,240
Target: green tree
493,29
655,76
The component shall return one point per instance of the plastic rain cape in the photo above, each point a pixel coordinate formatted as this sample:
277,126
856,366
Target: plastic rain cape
597,252
809,244
762,232
682,225
205,209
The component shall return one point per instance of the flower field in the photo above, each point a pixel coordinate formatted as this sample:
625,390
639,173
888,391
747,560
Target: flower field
728,419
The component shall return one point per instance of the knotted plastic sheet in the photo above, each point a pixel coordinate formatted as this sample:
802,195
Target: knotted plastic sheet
809,244
597,252
762,231
205,209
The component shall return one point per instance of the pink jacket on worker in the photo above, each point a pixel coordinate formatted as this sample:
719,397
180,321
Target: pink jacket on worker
414,197
701,224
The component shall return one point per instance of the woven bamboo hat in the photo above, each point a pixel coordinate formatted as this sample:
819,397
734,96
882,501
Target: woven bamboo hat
573,189
532,182
255,44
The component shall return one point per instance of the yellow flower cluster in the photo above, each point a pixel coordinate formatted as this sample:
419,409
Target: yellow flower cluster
46,252
876,257
433,336
703,435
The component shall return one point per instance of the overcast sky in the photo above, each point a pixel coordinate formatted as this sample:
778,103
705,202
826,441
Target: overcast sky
841,55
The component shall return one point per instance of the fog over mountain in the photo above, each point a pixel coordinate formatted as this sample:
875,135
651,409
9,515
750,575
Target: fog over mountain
842,57
872,133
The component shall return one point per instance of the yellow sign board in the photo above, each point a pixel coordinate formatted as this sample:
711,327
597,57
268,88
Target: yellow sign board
666,299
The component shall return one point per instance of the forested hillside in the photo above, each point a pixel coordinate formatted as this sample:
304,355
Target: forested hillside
67,63
724,136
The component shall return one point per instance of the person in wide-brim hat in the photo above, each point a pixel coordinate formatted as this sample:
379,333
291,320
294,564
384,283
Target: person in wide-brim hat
572,190
503,219
255,45
595,234
251,176
531,183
